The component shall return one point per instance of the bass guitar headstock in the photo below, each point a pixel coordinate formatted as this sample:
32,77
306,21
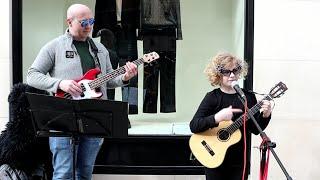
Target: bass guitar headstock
147,58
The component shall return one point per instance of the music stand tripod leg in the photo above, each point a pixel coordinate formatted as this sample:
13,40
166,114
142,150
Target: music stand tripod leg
74,142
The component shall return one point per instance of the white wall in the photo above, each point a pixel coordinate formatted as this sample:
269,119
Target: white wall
207,29
40,25
4,61
238,27
286,49
43,20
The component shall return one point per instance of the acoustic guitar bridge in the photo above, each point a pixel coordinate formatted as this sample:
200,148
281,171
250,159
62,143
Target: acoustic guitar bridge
208,148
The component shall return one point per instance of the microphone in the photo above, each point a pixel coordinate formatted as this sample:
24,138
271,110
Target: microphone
236,87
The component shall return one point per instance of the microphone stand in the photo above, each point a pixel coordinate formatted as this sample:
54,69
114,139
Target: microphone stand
268,143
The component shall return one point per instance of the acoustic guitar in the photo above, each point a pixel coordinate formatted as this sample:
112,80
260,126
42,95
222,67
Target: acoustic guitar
210,146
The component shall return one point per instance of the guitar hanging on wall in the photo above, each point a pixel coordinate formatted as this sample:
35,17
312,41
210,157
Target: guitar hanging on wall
210,146
89,83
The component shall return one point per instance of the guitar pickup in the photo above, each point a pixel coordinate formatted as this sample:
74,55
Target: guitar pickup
208,148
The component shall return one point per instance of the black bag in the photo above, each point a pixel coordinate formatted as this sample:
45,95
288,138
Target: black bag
8,173
20,149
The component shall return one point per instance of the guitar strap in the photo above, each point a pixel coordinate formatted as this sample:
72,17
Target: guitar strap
95,51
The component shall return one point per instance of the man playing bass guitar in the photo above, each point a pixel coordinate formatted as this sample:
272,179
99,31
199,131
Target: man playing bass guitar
58,65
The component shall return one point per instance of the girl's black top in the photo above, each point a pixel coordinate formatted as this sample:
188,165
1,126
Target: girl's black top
212,103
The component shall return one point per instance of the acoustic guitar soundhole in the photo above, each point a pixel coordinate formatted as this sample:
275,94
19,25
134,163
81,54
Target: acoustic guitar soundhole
223,135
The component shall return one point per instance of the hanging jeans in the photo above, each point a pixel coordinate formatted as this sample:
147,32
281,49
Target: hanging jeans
162,41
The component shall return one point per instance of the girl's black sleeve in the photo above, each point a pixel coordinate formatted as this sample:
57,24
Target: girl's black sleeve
204,116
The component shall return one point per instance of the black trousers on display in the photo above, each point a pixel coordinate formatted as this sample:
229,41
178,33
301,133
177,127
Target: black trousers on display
164,43
126,50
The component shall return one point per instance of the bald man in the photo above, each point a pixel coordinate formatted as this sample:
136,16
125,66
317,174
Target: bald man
59,63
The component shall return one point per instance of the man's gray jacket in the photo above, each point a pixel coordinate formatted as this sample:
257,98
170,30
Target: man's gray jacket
58,60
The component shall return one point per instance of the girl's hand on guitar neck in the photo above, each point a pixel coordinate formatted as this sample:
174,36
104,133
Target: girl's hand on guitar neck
266,108
225,114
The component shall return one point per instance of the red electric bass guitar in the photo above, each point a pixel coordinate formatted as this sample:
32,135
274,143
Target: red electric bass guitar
89,83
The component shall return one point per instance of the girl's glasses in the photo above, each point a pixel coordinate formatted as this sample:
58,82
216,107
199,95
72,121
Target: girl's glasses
227,72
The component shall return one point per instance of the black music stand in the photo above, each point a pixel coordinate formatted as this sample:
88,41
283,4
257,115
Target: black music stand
60,117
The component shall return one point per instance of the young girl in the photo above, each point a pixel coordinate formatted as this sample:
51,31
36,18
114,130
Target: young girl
223,104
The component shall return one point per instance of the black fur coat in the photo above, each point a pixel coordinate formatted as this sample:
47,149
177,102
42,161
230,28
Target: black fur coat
19,147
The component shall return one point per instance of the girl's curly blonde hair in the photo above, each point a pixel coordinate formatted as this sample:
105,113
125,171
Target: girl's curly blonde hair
223,60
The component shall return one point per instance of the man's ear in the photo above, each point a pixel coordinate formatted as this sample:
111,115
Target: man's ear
69,21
